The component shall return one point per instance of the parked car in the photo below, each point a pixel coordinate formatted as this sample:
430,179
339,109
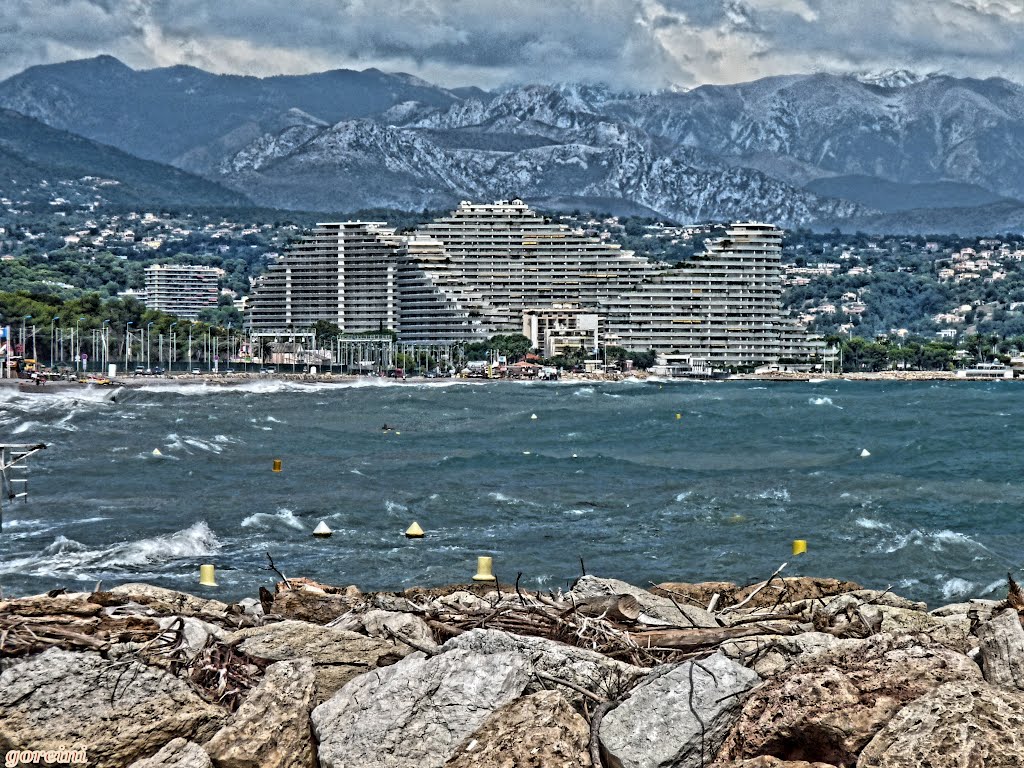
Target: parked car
158,371
140,370
196,371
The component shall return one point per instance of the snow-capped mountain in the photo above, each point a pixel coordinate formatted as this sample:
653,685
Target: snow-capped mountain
340,140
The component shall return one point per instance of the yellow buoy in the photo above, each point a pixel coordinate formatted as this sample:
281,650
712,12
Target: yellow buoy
799,546
277,465
679,416
484,569
414,531
206,575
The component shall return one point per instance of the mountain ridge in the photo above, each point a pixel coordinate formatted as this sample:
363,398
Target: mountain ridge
371,139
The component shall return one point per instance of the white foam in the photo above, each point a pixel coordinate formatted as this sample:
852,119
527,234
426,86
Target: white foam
872,525
270,519
956,587
394,506
67,557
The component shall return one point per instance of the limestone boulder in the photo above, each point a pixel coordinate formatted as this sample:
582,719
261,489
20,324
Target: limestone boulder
679,717
540,730
949,631
772,655
194,632
766,761
1002,650
959,724
376,623
177,753
829,707
271,729
789,590
659,607
337,655
594,671
415,713
117,711
311,604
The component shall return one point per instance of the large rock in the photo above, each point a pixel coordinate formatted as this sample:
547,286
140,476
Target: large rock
678,718
950,631
377,623
541,730
271,728
337,655
767,761
791,589
117,711
594,671
177,753
1002,649
828,708
415,713
661,608
966,724
772,655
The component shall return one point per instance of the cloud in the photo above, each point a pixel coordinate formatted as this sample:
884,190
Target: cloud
634,43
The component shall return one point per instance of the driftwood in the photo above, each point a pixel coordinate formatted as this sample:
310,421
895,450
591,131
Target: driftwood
694,639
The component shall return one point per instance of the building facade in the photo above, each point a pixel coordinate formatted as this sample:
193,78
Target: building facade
341,273
499,268
723,309
184,290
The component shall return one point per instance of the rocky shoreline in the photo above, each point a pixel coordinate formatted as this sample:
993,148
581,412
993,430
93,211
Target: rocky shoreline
788,673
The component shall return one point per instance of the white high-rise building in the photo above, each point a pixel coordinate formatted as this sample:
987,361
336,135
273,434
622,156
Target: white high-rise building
343,273
723,308
184,290
500,268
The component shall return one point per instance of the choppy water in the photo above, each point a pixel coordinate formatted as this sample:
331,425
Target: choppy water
605,472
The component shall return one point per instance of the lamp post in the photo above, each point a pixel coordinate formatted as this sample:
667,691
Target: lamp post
171,339
24,341
53,337
77,344
127,343
148,341
190,346
104,332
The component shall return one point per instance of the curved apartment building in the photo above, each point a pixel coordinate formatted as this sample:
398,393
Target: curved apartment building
723,307
500,268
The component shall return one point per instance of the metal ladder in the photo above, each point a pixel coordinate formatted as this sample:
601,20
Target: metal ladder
14,472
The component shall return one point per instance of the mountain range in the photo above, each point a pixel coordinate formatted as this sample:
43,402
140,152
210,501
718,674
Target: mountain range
908,153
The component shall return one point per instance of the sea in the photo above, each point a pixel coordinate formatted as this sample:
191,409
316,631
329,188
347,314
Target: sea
912,486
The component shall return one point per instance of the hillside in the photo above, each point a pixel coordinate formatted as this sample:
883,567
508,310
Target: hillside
798,149
41,164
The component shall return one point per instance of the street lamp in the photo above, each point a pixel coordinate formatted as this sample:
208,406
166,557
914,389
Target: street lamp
106,352
148,340
52,338
173,349
78,342
127,343
24,343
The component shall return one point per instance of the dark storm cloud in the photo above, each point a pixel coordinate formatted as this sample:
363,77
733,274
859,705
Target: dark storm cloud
641,43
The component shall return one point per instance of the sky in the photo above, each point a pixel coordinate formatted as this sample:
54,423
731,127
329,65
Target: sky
643,44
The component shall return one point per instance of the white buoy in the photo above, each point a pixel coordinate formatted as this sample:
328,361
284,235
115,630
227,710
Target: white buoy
322,530
526,453
864,453
156,452
574,455
533,416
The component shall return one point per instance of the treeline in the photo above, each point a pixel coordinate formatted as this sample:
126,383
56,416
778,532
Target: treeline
39,314
859,354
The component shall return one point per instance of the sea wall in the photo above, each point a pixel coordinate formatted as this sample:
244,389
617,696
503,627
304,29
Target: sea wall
789,672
